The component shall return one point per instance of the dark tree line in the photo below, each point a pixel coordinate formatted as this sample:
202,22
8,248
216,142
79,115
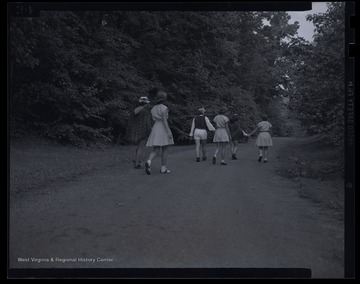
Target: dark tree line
317,93
76,76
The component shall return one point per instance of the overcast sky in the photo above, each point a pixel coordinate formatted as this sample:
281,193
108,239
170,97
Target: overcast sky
306,29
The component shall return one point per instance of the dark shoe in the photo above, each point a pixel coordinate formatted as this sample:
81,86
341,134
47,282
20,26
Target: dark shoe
197,159
147,168
223,163
233,157
204,158
260,157
265,161
138,167
214,160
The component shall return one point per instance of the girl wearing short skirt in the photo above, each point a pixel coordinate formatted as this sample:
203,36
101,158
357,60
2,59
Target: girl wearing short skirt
160,137
263,140
222,135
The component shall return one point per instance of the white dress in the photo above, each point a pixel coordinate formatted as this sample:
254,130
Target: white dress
264,137
159,135
221,134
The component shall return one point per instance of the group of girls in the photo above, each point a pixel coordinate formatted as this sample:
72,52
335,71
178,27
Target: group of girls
151,129
227,130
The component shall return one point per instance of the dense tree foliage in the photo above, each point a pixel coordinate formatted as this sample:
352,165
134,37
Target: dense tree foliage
76,76
317,94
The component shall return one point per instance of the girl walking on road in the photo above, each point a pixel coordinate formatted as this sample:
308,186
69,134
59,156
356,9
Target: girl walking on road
264,139
138,129
236,134
199,127
160,137
222,135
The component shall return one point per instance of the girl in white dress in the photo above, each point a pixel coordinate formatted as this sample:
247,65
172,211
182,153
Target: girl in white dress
222,134
264,139
160,137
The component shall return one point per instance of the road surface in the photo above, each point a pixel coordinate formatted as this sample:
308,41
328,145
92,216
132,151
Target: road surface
241,215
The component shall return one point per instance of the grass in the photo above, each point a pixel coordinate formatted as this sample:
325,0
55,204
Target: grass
318,170
35,163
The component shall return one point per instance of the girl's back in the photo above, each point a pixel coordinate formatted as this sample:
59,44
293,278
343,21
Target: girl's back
220,121
264,125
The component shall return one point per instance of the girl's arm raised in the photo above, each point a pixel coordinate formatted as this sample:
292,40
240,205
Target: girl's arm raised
209,125
251,132
192,128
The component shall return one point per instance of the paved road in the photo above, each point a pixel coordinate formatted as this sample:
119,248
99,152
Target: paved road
240,215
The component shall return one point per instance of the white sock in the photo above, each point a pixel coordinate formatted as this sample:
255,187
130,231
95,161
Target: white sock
149,162
163,168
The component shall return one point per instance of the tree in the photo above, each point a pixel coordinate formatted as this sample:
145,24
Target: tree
77,75
317,99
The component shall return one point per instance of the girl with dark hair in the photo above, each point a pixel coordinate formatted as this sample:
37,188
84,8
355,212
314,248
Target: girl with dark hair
264,139
160,137
138,129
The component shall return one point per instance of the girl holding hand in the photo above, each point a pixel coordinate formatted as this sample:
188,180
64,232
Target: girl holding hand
222,134
264,139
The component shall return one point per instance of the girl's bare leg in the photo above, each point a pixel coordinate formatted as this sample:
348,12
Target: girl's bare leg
216,152
217,148
232,147
153,154
235,143
222,147
197,148
265,153
260,153
164,156
203,148
139,152
151,157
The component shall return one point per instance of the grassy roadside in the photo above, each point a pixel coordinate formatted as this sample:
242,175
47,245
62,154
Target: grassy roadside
36,163
316,169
